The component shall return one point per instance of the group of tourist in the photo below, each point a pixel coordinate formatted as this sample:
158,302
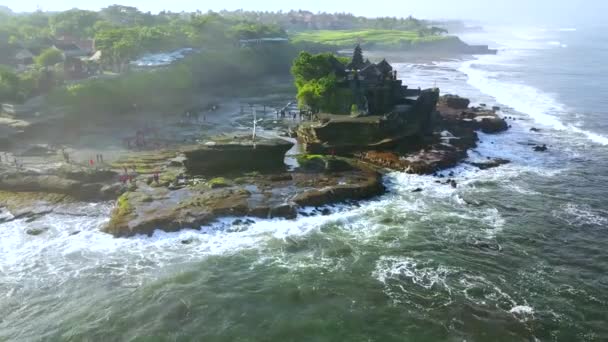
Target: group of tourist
127,177
303,114
131,177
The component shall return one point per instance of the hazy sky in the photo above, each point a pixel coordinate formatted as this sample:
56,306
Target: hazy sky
505,11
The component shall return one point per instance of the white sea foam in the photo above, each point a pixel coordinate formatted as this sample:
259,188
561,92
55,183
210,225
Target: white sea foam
399,274
578,215
522,310
57,255
543,108
407,269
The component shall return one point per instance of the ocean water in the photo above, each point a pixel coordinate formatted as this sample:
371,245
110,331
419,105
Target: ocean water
516,253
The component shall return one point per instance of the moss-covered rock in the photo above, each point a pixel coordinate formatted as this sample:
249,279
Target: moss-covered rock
312,162
356,188
218,182
122,213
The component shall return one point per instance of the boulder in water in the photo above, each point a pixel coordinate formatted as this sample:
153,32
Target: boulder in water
493,125
491,163
36,231
286,210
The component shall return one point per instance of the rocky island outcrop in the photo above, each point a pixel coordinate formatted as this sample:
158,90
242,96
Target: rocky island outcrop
398,128
255,183
362,121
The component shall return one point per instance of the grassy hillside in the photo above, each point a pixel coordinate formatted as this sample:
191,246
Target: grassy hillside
368,38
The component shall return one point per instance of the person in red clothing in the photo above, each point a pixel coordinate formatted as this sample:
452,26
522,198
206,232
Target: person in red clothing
91,163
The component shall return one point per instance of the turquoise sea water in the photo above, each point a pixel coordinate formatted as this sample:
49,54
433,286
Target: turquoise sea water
516,253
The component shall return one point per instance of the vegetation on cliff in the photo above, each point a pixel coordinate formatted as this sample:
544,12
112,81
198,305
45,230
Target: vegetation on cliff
317,83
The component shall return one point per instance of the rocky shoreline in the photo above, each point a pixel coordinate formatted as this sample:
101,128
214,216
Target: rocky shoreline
229,176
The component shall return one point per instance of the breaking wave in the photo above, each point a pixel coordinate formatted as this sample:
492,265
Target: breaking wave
543,108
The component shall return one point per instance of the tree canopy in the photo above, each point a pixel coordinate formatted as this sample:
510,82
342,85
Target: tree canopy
308,67
49,57
9,85
317,82
75,23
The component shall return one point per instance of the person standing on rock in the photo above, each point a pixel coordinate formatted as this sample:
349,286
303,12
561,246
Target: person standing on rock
66,156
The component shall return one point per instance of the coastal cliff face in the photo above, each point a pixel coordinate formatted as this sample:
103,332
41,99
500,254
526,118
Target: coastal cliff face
344,134
237,153
454,133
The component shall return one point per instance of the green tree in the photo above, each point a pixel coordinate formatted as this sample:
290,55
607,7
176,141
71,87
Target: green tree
49,57
75,22
307,67
122,15
119,45
9,85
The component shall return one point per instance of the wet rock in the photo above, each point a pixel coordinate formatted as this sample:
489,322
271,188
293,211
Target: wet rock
225,154
454,101
87,175
483,245
188,241
36,231
365,188
534,129
149,208
260,212
34,216
281,178
539,148
32,182
325,212
493,125
417,190
491,164
89,191
337,165
287,211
